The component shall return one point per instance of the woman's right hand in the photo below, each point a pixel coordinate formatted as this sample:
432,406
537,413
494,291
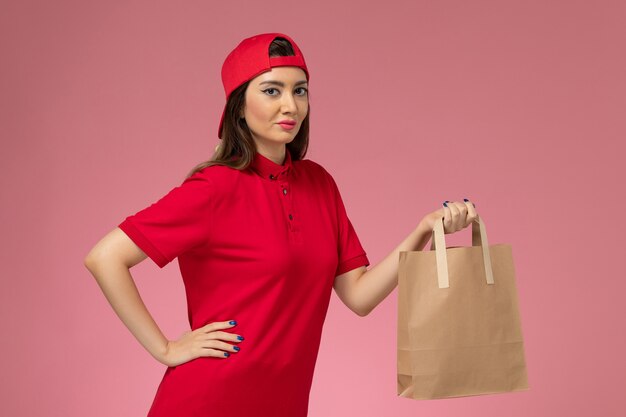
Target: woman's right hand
204,341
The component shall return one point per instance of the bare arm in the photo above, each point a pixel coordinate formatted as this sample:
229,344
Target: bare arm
109,261
362,290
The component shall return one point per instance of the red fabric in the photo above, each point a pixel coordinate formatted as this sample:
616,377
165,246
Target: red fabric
241,257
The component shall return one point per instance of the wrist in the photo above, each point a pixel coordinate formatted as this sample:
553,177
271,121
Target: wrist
162,354
425,226
421,235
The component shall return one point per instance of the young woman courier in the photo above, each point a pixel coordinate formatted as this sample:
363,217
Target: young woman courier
262,237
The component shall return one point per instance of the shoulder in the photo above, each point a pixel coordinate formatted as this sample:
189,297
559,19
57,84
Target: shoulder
214,174
314,169
212,181
323,175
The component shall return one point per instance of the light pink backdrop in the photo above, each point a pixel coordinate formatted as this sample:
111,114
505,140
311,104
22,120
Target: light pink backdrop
518,106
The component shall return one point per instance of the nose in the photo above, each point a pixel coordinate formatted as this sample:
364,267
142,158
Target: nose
288,103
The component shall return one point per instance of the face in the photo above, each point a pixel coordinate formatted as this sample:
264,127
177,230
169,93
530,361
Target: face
273,96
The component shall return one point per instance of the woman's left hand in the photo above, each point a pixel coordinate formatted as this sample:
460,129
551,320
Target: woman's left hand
456,216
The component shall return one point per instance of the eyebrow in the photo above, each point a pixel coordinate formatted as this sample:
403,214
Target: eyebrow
282,84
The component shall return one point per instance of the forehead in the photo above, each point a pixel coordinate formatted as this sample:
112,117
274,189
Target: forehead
286,74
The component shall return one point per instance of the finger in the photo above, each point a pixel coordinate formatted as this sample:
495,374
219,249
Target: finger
462,220
455,217
213,353
217,344
471,211
217,325
223,336
447,217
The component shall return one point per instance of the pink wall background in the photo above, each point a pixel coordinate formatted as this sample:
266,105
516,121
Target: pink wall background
518,106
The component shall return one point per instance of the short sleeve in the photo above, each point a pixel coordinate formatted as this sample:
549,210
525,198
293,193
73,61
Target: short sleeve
351,253
174,224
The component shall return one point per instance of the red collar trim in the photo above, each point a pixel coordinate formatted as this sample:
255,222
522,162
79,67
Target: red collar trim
268,169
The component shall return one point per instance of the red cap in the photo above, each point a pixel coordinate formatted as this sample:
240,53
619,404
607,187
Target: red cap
251,58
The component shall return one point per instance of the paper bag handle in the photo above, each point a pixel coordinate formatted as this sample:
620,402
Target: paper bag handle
479,238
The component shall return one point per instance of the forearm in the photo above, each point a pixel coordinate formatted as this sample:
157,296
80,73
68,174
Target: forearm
377,283
119,288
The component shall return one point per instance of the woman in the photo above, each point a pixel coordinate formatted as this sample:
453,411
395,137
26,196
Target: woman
262,237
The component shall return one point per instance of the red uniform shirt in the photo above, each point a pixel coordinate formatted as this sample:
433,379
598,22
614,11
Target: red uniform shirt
261,246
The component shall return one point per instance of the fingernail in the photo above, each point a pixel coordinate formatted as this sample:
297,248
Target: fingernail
236,348
232,322
226,354
240,337
445,204
466,200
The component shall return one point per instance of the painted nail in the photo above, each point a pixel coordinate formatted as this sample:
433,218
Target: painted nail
226,354
445,204
236,348
232,322
240,337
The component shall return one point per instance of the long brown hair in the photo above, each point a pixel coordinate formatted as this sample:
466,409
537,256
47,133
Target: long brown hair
237,147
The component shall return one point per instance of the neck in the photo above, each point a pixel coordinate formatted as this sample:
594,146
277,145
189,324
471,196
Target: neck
275,154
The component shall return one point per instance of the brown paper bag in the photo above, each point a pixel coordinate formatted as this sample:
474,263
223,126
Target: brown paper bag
459,330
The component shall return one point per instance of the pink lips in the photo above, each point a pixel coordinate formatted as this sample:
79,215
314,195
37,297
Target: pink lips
287,126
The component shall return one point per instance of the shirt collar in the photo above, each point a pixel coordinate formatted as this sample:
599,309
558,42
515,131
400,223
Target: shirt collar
269,169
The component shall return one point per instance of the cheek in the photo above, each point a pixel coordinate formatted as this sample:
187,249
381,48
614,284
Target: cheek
257,109
304,107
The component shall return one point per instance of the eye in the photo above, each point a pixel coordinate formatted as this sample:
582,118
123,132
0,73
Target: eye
306,90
